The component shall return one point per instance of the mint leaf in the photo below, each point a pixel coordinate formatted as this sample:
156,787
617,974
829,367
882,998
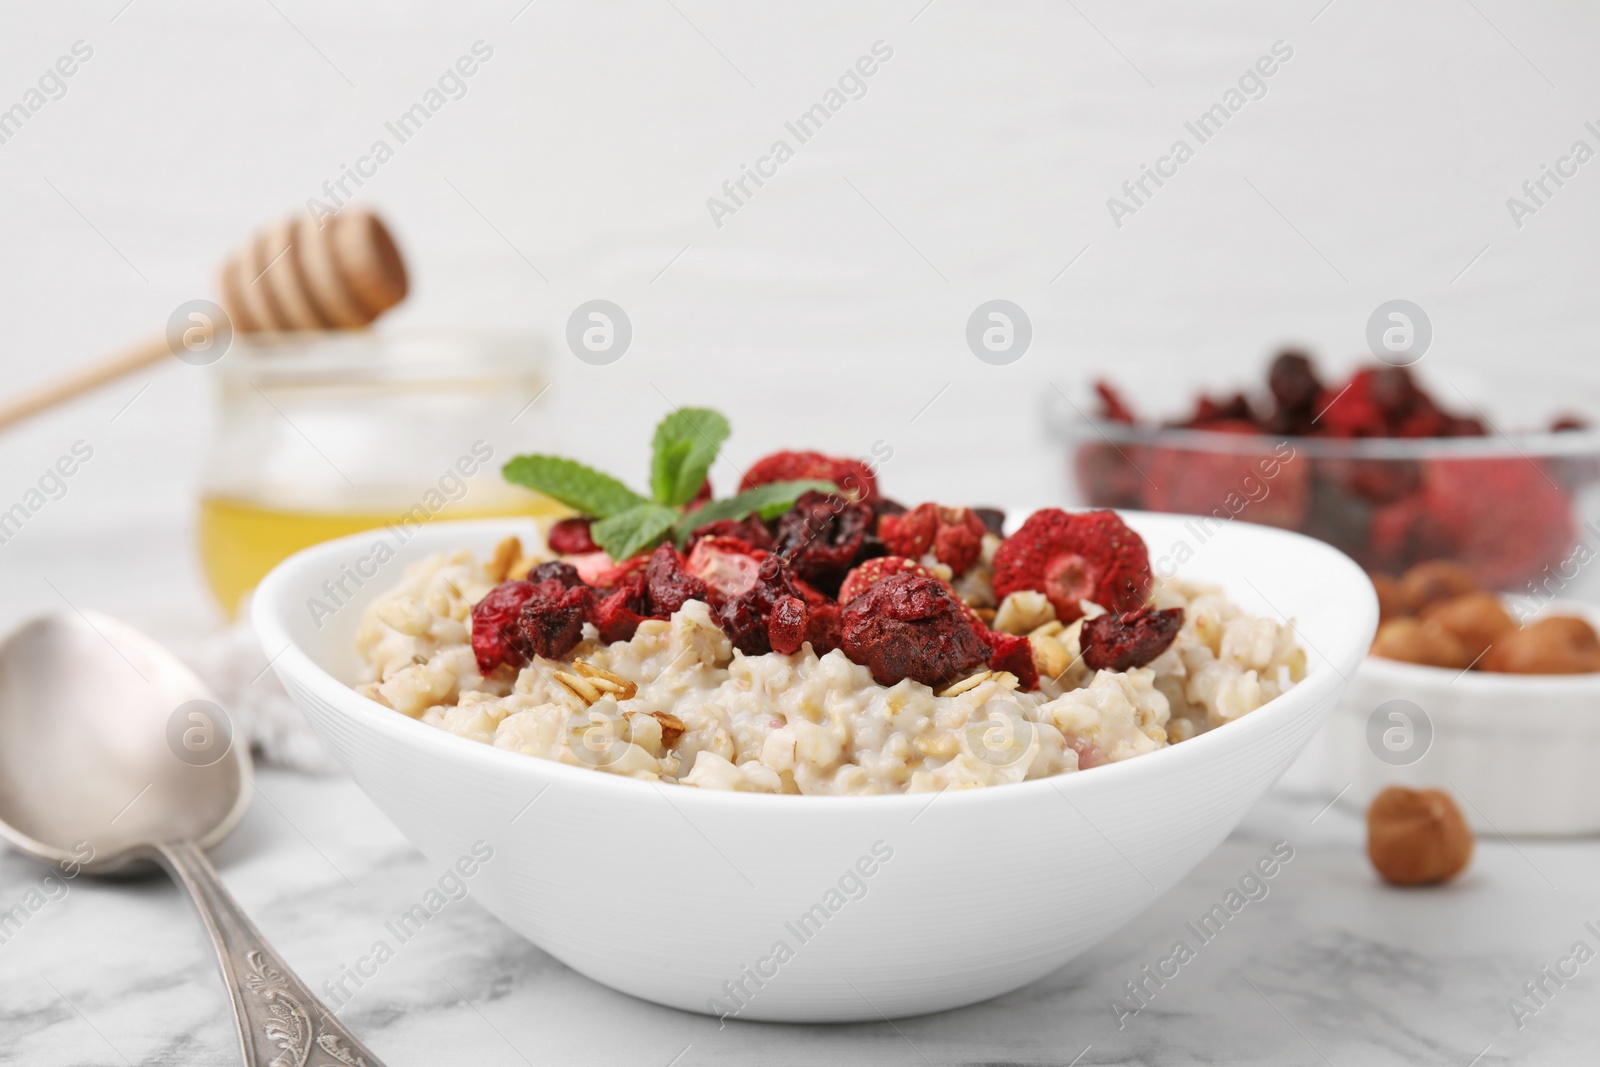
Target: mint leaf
769,501
581,488
626,533
686,443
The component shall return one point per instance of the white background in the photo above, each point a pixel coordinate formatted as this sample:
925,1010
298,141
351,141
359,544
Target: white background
830,310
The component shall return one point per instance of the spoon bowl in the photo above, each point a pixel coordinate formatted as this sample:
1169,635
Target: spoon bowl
113,756
109,745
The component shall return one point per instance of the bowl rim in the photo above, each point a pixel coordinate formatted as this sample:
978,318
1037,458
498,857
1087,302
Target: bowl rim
1524,445
270,603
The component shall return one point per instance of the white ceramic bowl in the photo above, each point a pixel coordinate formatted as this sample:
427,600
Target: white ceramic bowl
684,896
1521,750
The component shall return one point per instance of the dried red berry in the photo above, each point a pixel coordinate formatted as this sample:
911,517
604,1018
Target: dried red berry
495,638
749,529
1209,410
909,626
853,477
1121,642
701,495
1069,557
551,621
1014,653
993,519
556,571
669,583
570,537
618,614
872,571
823,627
953,535
786,626
1295,389
1113,408
822,536
745,616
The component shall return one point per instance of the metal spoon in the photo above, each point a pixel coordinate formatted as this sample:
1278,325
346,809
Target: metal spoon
113,757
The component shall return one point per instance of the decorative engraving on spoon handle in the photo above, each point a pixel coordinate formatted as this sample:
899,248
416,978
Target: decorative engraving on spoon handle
281,1023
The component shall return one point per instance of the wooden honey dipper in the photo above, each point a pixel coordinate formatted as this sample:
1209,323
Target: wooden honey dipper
294,276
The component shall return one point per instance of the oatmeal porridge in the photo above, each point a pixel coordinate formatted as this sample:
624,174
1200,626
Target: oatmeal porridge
954,667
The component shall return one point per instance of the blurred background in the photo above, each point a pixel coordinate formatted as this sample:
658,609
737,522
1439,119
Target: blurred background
829,309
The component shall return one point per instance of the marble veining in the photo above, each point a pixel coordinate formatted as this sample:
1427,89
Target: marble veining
1327,967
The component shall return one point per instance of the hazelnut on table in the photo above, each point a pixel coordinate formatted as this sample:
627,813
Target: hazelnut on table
1417,837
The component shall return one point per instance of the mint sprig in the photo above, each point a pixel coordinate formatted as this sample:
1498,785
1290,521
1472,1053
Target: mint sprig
626,523
686,443
581,488
633,530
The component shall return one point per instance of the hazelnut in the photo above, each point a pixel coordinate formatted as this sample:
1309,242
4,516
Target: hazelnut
1391,602
1417,837
1559,644
1420,641
1477,620
1436,580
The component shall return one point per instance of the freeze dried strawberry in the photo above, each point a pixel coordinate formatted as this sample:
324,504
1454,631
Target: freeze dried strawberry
556,571
823,627
1089,555
822,536
746,616
1504,518
727,565
495,639
853,477
874,570
1121,642
1014,653
570,537
669,583
786,626
884,506
612,576
618,613
750,529
909,626
1265,485
953,535
551,621
593,567
700,497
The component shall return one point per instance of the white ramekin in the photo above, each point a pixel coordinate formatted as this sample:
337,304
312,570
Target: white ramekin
1522,751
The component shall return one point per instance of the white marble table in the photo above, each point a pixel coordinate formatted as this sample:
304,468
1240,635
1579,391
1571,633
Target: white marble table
1329,967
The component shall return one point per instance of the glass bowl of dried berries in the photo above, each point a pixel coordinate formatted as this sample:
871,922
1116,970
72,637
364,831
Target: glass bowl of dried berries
1500,475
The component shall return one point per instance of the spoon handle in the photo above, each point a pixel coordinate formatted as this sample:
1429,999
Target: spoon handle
281,1023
